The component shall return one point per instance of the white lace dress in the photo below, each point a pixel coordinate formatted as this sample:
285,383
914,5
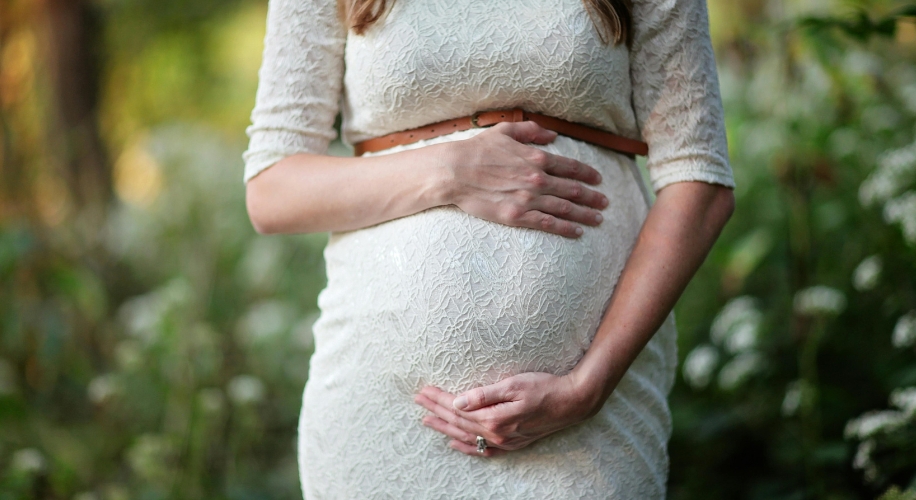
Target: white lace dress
447,299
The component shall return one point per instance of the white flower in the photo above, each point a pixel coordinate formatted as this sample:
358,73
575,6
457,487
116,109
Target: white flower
102,388
902,210
863,454
792,399
905,330
245,389
28,460
699,365
739,369
896,170
743,338
740,312
905,399
819,300
141,315
873,422
862,460
866,275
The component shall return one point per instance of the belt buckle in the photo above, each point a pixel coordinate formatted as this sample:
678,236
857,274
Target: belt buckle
474,119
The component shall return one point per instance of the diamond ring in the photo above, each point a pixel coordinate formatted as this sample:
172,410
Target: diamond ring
481,445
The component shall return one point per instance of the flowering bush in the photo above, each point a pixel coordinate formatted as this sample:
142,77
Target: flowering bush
815,323
887,439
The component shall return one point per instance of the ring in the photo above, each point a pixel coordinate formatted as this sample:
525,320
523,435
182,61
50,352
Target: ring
481,445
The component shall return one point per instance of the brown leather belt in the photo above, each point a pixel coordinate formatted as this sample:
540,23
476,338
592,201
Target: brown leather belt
629,147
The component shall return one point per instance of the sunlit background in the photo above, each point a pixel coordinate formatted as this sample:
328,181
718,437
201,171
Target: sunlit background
153,346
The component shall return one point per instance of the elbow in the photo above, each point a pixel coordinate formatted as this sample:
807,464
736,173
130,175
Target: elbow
259,212
727,201
723,205
260,227
273,210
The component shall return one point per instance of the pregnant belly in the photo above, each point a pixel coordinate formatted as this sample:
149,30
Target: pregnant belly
445,298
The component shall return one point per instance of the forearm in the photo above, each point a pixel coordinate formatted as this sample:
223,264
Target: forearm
496,175
315,193
678,233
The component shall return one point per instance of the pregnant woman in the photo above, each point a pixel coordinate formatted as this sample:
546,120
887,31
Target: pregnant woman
497,319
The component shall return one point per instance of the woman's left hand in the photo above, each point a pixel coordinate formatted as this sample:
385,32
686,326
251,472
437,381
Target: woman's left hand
509,414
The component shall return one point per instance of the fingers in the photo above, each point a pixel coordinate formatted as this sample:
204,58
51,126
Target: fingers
561,166
438,396
525,186
567,210
464,427
442,407
561,207
574,191
564,178
462,441
480,397
526,132
557,165
450,430
535,219
469,449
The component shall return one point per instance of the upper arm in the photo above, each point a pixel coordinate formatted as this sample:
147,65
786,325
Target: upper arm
676,93
300,83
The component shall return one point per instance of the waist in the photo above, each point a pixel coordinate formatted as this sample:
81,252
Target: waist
591,135
605,161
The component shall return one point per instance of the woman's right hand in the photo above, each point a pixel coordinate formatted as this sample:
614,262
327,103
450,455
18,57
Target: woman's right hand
497,176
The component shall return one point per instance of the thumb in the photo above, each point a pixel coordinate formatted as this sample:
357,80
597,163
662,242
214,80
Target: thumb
481,397
529,132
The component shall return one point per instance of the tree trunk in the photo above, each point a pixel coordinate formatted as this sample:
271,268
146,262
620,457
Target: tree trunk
74,33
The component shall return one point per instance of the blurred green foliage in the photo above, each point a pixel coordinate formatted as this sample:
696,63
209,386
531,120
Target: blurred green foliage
153,346
816,270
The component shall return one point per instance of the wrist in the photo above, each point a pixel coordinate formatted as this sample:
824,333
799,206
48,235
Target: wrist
445,158
588,392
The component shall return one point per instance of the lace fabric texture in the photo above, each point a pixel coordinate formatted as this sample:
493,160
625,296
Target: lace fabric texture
428,61
444,298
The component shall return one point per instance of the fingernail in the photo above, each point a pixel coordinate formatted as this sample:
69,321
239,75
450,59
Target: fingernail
598,218
604,201
460,403
579,231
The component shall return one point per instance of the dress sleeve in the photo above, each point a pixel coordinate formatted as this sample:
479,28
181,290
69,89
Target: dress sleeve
676,93
299,85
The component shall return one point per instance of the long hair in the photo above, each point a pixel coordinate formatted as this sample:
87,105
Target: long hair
613,18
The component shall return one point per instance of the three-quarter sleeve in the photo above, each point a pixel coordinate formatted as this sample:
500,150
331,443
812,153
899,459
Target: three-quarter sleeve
300,82
676,93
